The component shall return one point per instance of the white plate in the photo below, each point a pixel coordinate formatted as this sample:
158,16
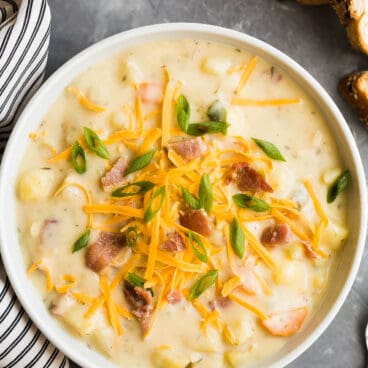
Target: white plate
29,120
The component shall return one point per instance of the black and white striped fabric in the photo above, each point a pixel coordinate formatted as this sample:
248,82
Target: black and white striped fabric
24,41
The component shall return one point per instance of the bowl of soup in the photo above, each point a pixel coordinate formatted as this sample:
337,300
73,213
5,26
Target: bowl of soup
182,195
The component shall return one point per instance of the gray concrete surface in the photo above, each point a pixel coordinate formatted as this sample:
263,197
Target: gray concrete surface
310,35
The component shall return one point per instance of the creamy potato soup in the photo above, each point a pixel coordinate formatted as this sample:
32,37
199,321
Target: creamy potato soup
181,205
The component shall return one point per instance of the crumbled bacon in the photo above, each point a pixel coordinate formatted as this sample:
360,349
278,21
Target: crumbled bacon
196,220
174,243
141,304
275,235
219,303
115,175
173,297
246,178
309,251
101,253
189,149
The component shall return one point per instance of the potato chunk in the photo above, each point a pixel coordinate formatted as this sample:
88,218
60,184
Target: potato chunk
216,66
35,184
167,358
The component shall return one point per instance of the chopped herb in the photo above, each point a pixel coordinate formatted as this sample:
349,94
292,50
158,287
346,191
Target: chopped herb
338,186
140,162
269,149
131,235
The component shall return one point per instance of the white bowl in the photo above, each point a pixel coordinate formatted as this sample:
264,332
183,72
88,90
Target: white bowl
344,272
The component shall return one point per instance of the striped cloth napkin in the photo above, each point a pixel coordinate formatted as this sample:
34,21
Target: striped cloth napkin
24,41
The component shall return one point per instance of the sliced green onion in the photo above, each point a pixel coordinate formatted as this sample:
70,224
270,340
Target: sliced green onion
82,241
198,248
137,281
140,162
207,127
143,187
149,214
183,113
237,238
205,193
269,149
95,143
250,202
79,158
190,199
217,111
338,186
202,284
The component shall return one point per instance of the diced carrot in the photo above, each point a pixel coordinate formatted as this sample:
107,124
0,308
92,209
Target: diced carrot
150,92
285,323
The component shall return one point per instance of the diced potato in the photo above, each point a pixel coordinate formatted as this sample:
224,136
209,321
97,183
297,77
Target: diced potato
317,139
216,65
72,132
320,280
239,331
211,343
236,358
74,317
119,120
329,176
104,338
289,272
300,195
209,361
334,235
35,184
168,358
282,180
133,73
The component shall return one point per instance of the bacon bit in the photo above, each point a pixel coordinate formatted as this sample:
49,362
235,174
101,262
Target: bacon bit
219,303
275,235
285,323
247,178
100,254
115,175
141,304
174,243
309,251
196,220
189,149
173,297
150,92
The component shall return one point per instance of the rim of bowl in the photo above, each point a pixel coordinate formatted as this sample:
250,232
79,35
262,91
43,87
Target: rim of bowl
169,29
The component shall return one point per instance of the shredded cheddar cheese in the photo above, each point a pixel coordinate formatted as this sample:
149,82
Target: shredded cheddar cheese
84,101
263,103
246,74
